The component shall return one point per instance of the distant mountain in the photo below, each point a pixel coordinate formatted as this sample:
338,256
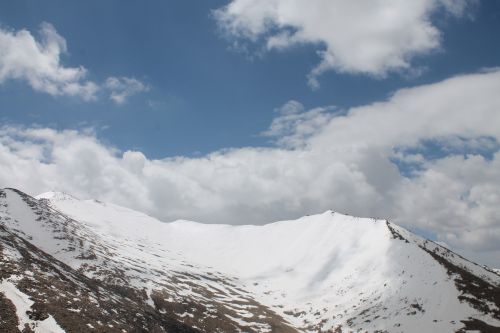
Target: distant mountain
69,265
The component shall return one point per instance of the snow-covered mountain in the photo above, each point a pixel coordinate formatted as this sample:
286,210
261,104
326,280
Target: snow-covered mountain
69,265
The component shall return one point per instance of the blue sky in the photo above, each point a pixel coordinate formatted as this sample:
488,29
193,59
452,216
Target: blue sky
253,111
204,95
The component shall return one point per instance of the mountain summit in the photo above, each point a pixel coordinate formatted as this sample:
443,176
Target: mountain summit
70,265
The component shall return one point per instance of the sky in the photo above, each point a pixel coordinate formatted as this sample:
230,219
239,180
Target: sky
253,111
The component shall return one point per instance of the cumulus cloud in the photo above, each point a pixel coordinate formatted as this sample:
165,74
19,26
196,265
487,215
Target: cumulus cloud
38,63
123,87
346,160
457,197
367,37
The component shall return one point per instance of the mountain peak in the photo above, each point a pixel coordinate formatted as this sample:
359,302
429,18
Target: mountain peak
56,196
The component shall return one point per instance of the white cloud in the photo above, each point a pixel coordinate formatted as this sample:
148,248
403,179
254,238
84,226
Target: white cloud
326,160
464,106
294,125
371,37
38,63
123,87
457,197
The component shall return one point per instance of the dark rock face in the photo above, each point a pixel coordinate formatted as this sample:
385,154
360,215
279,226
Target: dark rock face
8,317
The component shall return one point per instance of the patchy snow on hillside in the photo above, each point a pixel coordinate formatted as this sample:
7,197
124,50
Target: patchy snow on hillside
329,268
322,272
23,305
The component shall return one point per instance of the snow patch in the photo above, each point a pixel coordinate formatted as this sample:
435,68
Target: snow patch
23,304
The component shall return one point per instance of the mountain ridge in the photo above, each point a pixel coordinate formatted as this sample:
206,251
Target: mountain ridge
327,272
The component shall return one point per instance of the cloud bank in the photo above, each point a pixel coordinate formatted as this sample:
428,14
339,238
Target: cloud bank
38,63
361,37
427,157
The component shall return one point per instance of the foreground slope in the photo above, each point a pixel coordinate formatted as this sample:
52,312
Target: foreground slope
323,272
155,279
41,294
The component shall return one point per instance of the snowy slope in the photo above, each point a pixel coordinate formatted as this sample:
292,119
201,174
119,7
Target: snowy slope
139,269
41,294
322,272
23,305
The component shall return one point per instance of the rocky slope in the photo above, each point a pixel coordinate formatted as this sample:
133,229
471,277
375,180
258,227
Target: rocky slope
70,265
